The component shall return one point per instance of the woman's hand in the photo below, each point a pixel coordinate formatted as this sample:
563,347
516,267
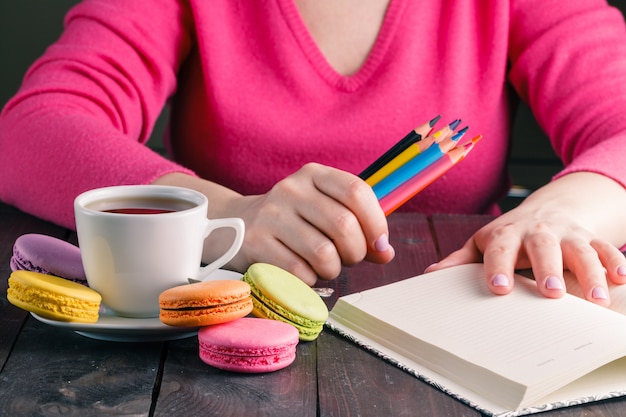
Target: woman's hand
311,223
576,222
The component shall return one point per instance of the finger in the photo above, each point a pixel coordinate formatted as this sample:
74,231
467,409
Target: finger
340,227
306,242
359,198
381,256
283,257
469,253
544,252
582,259
499,256
272,251
613,260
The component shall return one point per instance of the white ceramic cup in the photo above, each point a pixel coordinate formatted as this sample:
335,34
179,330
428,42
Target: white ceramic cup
131,258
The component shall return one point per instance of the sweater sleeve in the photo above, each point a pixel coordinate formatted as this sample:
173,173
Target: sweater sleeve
569,65
85,109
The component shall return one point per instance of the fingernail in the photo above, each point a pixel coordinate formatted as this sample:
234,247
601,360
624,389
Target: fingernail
382,243
621,270
500,280
599,293
553,283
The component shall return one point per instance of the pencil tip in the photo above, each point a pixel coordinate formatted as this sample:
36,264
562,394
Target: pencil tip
434,121
460,133
477,138
453,125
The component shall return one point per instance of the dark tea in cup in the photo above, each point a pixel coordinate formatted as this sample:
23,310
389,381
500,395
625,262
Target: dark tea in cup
138,211
140,205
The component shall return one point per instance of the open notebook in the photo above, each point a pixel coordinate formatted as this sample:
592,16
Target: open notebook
503,355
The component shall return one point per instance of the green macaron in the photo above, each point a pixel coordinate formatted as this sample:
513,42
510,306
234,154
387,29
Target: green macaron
280,295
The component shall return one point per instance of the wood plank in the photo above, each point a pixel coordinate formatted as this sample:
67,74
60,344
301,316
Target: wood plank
53,371
191,387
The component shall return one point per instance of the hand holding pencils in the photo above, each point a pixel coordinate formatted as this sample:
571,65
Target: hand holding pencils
415,162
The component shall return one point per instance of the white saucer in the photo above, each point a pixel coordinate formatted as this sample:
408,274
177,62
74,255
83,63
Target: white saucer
114,328
123,329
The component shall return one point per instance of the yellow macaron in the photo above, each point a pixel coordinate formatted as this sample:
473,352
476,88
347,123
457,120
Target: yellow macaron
53,297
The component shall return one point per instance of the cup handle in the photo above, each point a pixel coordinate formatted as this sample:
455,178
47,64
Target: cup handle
234,223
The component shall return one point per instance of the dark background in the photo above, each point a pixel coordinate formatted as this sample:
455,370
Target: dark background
28,26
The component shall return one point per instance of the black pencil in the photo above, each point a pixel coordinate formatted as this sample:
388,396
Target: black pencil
395,150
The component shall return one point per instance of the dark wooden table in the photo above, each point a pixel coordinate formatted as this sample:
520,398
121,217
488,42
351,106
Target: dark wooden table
48,371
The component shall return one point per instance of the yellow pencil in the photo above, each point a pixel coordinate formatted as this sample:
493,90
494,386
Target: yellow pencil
406,155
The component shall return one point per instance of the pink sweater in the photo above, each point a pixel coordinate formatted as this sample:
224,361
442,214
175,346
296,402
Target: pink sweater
253,98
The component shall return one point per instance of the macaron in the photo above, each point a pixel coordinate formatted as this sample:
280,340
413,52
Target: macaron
249,345
53,297
205,303
280,295
47,255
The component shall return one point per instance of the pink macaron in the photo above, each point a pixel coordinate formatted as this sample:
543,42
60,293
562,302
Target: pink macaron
249,345
47,255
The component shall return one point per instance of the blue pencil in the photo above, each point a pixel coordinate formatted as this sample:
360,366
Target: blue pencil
415,165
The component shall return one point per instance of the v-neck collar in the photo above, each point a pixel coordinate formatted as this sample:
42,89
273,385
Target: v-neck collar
348,83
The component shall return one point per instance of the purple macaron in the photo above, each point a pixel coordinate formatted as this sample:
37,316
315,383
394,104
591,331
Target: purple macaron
48,255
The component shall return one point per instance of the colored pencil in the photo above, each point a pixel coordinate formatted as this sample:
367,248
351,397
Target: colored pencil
412,137
409,153
424,178
405,156
417,164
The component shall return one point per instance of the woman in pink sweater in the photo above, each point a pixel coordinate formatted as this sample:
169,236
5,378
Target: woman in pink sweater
275,105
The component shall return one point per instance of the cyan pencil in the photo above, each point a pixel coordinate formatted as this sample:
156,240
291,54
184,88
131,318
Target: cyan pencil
415,165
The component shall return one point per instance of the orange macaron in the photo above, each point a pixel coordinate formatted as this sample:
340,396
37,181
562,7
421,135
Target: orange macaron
205,303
